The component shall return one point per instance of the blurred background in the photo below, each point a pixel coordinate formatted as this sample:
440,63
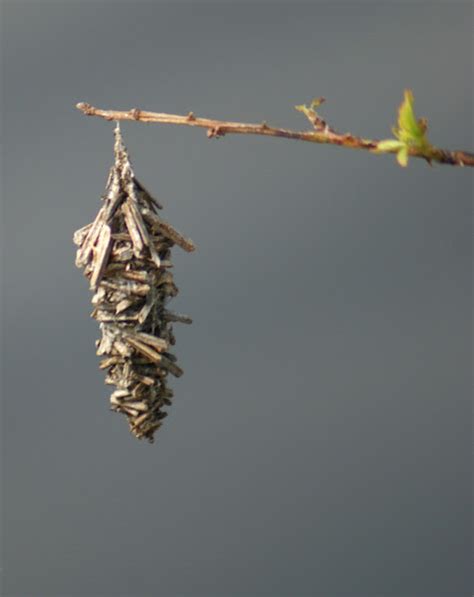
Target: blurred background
319,442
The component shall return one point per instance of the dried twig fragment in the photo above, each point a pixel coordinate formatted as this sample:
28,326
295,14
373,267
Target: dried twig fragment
125,254
168,231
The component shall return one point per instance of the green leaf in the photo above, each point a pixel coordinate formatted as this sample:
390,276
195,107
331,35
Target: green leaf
402,156
308,112
301,108
410,130
388,145
317,101
406,116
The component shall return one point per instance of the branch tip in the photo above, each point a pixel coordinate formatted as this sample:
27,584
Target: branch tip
86,108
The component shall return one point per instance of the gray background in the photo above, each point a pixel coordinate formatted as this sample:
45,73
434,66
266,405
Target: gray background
319,443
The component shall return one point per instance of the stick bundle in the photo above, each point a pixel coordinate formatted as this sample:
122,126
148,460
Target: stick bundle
126,255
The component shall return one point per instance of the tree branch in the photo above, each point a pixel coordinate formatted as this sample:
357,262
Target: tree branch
413,146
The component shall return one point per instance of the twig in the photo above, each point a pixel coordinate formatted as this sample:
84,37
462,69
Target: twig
322,133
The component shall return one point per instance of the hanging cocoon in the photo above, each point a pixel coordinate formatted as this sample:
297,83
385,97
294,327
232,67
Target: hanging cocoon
126,255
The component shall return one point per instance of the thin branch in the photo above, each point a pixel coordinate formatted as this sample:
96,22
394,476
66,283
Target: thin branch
322,133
